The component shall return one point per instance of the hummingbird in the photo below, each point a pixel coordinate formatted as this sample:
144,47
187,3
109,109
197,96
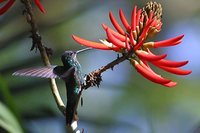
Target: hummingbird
70,73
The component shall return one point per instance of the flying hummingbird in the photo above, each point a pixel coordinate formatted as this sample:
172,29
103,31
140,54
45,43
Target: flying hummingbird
70,73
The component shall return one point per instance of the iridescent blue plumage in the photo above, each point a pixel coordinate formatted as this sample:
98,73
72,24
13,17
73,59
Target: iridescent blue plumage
70,73
73,84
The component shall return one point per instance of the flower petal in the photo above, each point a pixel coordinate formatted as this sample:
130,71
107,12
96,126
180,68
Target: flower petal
149,75
2,1
169,63
114,40
124,21
6,6
132,40
145,30
137,46
150,16
39,5
146,66
148,56
168,42
133,19
158,27
174,70
128,47
170,84
90,43
138,17
116,34
116,24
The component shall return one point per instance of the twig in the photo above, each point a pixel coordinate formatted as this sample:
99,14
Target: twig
92,79
37,43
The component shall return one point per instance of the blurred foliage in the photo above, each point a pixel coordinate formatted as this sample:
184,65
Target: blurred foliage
125,101
8,120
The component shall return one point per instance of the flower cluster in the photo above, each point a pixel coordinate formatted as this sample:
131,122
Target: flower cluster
9,3
145,23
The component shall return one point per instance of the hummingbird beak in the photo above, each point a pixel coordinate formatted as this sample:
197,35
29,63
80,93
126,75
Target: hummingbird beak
82,50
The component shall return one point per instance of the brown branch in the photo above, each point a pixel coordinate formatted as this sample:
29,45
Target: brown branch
94,78
37,43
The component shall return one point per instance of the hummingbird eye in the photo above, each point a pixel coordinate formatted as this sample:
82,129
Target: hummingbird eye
71,53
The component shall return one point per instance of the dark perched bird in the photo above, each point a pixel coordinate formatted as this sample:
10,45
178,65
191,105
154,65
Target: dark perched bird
70,73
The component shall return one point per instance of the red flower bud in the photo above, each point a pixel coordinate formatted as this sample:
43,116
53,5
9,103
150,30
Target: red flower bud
169,63
148,56
114,40
90,43
174,70
148,74
39,5
145,23
133,20
6,6
116,34
115,24
170,84
168,42
124,21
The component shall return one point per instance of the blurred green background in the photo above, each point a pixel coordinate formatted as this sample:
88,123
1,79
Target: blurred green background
125,102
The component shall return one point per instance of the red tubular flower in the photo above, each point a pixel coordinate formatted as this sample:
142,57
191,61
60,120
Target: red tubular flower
90,43
115,24
146,66
133,20
145,23
116,34
124,21
39,5
148,56
165,43
169,63
148,74
114,40
7,6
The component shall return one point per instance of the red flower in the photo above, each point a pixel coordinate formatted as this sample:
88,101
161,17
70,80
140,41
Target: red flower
7,5
145,23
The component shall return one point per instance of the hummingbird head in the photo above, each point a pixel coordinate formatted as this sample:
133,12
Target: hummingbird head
72,54
68,56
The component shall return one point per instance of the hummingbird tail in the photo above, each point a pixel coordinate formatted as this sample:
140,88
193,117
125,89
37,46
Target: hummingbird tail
71,116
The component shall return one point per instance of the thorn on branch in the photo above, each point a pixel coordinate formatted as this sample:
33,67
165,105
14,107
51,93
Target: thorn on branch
81,101
49,51
112,68
36,39
82,130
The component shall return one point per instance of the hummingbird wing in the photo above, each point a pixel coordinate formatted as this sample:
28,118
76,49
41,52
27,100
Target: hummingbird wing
63,73
42,72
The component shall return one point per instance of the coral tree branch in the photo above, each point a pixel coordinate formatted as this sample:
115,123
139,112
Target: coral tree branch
94,77
37,43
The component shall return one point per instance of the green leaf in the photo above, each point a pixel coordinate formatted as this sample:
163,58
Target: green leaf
8,120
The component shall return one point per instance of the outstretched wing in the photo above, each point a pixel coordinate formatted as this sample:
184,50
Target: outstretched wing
43,72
